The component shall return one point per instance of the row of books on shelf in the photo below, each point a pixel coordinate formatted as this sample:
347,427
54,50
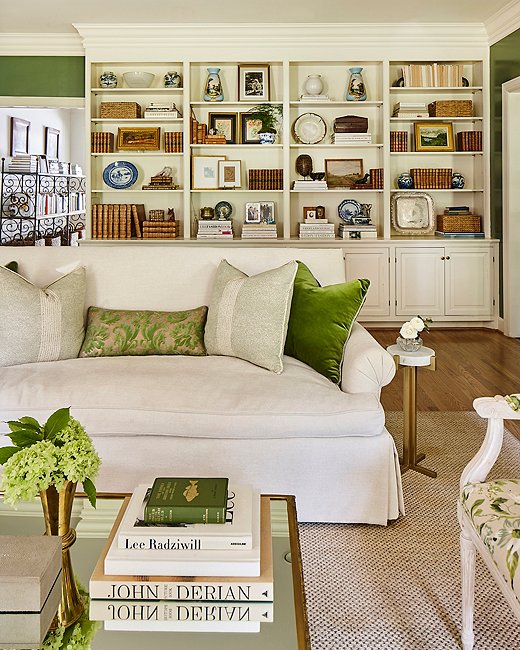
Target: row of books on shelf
431,75
35,163
162,571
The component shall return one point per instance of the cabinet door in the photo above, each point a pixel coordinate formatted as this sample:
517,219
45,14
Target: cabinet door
373,264
420,281
469,282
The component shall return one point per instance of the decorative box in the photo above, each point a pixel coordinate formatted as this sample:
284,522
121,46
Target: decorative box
458,223
451,108
351,124
123,110
30,588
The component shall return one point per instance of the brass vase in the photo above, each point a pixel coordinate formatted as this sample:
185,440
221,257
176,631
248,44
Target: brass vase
57,510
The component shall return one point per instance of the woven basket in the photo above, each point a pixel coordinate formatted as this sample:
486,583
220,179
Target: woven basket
451,108
458,223
124,110
432,179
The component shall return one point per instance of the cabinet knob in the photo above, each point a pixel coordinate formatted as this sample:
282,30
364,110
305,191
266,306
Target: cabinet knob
447,257
443,258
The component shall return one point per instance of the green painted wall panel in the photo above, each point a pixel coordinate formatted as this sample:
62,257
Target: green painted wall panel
42,76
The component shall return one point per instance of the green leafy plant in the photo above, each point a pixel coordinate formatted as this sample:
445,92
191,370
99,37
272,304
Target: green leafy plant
269,114
47,454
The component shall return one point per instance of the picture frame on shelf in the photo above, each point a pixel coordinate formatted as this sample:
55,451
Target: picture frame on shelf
436,136
253,82
224,124
19,136
204,172
309,212
267,212
249,128
229,173
52,142
138,138
252,213
412,213
342,173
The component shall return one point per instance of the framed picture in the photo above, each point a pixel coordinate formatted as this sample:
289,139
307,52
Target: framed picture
267,211
412,213
253,213
343,172
52,142
309,213
137,138
224,124
253,82
434,137
204,172
249,127
229,173
19,136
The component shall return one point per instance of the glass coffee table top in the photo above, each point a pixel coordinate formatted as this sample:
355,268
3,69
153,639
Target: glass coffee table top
288,630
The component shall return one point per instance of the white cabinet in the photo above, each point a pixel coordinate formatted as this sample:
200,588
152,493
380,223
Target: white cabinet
468,281
372,264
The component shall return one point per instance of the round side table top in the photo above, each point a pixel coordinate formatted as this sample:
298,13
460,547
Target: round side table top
421,357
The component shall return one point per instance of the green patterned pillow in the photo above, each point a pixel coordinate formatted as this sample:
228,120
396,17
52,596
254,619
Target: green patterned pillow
118,332
321,320
248,316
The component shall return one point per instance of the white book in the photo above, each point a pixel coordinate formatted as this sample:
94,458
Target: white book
318,235
167,540
239,562
183,626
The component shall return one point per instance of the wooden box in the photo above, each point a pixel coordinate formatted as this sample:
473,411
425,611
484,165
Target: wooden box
120,110
451,108
458,223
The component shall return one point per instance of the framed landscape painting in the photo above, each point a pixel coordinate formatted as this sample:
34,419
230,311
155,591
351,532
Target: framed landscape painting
136,138
434,137
343,172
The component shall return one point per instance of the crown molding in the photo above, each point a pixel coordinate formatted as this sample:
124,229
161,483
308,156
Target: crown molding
41,45
503,22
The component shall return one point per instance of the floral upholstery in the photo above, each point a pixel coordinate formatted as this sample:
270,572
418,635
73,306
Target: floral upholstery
494,510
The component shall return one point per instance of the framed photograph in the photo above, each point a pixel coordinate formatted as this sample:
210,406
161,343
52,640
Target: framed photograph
52,142
343,172
253,213
267,211
309,213
204,172
249,127
253,82
19,136
412,213
224,124
229,173
137,138
434,137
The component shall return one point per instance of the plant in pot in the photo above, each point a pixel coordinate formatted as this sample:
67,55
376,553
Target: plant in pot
270,115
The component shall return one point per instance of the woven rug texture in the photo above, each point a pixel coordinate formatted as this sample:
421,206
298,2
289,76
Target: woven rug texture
398,587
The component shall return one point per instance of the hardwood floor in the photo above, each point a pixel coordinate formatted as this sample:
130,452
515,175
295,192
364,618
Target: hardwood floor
470,363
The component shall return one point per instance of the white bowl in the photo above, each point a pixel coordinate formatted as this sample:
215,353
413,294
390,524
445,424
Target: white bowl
138,79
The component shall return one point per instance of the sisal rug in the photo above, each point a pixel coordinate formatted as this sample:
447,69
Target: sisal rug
376,588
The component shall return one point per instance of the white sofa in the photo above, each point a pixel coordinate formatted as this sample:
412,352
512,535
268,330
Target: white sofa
293,433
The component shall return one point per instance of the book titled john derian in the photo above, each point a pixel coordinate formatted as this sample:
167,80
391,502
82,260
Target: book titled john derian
187,500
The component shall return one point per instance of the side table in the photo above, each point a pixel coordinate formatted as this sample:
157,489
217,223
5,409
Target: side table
410,361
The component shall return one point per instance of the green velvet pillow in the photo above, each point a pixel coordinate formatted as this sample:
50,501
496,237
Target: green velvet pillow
118,332
320,321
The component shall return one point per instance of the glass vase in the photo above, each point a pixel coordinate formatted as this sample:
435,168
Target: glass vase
409,345
356,91
213,88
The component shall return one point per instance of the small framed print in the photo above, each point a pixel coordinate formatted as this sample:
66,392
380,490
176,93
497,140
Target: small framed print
253,82
309,213
52,142
224,124
434,137
249,128
267,212
229,173
19,136
253,213
204,172
343,172
136,138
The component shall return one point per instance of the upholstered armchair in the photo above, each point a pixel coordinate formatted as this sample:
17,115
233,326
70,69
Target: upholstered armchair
489,516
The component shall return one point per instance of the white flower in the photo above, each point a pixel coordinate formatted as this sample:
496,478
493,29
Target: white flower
407,331
417,323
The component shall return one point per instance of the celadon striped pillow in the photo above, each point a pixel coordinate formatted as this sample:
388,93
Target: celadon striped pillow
248,316
41,324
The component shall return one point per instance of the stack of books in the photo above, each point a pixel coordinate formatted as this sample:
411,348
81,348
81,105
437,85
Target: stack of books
314,98
161,111
259,231
215,229
173,142
317,229
102,142
23,163
357,231
160,182
351,138
411,110
433,75
310,186
157,573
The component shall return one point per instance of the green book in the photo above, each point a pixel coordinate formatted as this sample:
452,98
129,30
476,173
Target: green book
187,501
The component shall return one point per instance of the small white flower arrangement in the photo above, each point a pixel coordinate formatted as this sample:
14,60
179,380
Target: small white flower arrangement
412,328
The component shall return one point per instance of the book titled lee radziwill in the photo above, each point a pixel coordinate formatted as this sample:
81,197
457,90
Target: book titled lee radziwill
187,500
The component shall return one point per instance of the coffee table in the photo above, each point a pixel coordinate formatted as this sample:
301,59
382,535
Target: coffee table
288,631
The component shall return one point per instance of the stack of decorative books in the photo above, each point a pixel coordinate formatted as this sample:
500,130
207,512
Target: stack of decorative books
310,186
357,231
259,231
317,230
215,229
351,138
24,163
410,110
161,111
161,575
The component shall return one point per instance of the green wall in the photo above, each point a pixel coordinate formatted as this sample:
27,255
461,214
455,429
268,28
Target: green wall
505,65
42,76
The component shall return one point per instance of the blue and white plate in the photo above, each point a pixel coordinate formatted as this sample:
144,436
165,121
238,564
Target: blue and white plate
349,209
120,174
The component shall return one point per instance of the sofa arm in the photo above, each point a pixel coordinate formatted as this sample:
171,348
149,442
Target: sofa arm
366,367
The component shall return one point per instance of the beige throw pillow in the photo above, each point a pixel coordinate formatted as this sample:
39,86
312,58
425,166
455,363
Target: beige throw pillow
40,324
248,316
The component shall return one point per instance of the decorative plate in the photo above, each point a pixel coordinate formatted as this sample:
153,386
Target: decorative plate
309,128
349,209
223,210
120,174
412,213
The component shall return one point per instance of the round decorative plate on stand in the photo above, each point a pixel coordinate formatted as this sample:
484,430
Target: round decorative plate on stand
309,128
120,174
349,209
223,210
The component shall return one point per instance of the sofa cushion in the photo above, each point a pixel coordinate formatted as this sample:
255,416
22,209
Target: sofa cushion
248,316
321,320
208,397
40,324
119,332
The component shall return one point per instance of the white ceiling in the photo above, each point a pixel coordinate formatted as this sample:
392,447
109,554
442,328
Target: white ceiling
55,16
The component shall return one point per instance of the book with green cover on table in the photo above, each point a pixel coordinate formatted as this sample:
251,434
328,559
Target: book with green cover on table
187,500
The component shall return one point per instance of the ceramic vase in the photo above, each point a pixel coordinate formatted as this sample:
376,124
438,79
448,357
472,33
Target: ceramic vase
409,345
57,510
172,80
356,91
266,137
213,88
405,181
313,85
108,80
457,181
